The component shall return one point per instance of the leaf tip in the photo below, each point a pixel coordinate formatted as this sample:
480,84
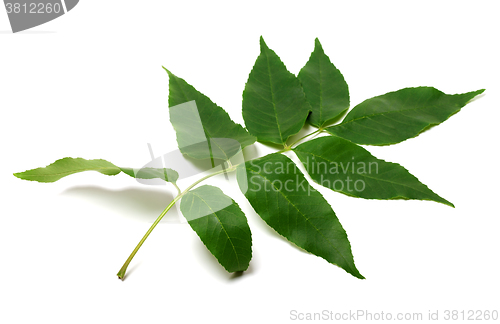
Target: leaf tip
445,202
23,176
473,94
355,272
169,73
480,91
317,45
469,96
263,44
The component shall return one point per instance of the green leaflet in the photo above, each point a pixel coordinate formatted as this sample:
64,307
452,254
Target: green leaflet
325,88
345,167
64,167
220,224
204,130
152,173
281,195
274,104
396,116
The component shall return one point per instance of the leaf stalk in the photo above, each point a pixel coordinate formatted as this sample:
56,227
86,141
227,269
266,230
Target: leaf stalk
123,270
304,137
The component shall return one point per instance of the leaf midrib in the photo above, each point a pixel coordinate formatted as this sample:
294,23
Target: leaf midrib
207,133
384,113
320,92
70,172
272,96
222,226
306,218
387,113
388,181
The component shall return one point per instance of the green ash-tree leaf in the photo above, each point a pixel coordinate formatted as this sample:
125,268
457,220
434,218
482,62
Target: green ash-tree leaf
152,173
325,88
396,116
274,104
67,166
348,168
204,130
221,226
281,195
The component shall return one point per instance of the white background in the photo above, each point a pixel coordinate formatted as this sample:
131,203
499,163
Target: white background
90,84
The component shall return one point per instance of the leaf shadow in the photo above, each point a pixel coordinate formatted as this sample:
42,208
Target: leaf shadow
202,164
336,120
140,204
250,152
272,145
304,131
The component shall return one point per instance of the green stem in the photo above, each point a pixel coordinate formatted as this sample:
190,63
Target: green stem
284,150
300,139
121,273
176,187
208,176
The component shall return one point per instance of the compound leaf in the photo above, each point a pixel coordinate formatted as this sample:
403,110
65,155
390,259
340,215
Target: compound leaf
281,195
325,88
274,104
64,167
396,116
348,168
221,226
204,130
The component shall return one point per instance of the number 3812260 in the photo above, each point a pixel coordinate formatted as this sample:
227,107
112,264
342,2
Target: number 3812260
33,8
